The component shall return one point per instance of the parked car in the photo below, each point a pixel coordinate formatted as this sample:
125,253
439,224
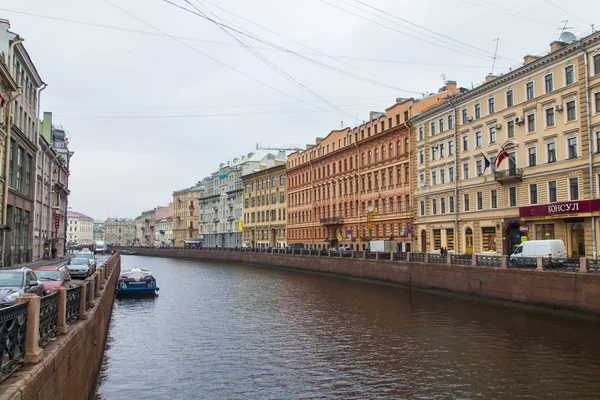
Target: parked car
15,282
79,267
88,255
53,276
543,248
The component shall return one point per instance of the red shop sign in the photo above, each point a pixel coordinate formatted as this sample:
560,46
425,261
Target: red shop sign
57,220
569,207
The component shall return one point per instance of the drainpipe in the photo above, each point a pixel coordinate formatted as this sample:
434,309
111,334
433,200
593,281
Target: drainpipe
37,113
589,138
7,146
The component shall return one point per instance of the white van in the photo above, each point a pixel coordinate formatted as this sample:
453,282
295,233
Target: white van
543,248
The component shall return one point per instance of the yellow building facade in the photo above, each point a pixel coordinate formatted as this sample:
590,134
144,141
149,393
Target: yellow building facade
186,214
264,207
543,119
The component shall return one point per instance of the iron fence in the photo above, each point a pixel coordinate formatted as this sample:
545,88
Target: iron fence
359,254
385,256
593,266
370,255
48,318
314,252
436,258
400,256
417,257
462,259
306,252
87,291
13,325
347,253
489,261
73,298
561,264
523,263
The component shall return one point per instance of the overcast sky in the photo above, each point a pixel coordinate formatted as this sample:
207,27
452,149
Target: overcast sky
153,97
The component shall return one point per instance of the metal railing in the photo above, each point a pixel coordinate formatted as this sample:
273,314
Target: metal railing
417,257
462,259
385,255
400,256
370,255
561,264
593,266
523,263
489,261
435,258
13,325
347,253
48,318
87,291
73,300
359,254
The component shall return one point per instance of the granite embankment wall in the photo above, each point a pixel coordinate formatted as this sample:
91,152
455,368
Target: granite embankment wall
577,291
70,364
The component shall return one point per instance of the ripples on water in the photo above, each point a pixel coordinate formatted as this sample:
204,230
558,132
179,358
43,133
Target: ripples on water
225,331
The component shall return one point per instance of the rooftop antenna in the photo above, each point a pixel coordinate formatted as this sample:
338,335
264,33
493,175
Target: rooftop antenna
443,76
495,54
565,27
342,124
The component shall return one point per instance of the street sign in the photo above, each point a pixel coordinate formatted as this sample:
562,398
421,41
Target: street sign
369,220
57,219
524,228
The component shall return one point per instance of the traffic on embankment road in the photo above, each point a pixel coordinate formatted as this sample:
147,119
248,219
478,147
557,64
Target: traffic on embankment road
536,281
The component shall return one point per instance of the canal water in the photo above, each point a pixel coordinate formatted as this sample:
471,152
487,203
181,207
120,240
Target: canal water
227,331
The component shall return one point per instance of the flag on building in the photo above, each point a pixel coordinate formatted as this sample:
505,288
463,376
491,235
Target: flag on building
503,154
240,226
486,162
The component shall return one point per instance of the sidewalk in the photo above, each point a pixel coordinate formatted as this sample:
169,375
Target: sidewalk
57,261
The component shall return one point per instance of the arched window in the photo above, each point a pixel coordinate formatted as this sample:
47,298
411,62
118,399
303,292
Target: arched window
281,180
273,182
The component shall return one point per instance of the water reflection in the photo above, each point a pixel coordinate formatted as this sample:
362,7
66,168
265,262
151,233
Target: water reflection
225,331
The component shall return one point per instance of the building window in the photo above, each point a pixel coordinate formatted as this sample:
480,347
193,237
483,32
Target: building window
480,200
551,152
442,176
597,64
530,91
434,206
478,140
510,129
421,133
466,171
597,102
531,123
465,143
437,239
441,124
465,116
571,114
434,178
569,75
479,167
421,157
451,204
421,180
450,147
510,101
494,198
532,156
533,193
450,174
572,147
550,117
450,122
477,111
466,204
432,128
450,239
442,205
422,208
598,142
442,150
512,196
544,231
493,134
552,195
28,161
19,168
488,239
549,83
434,153
574,188
492,105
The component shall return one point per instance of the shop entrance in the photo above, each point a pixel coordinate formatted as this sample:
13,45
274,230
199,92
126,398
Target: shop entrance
469,241
577,240
513,236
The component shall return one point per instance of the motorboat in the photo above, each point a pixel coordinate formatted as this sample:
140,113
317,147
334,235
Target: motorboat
136,281
128,253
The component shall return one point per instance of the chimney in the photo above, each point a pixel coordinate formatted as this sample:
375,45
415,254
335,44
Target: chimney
556,45
490,78
529,59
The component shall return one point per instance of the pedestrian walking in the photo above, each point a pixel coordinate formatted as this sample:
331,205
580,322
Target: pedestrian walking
53,253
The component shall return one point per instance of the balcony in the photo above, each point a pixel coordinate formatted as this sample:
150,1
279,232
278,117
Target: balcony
508,175
332,221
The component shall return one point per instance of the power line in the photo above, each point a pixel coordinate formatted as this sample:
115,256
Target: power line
567,12
204,54
406,34
425,28
220,43
305,46
496,7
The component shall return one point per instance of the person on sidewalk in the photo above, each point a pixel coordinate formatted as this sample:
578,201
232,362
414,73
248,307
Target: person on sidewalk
53,253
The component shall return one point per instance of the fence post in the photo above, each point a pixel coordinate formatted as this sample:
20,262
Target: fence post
61,322
341,253
474,260
583,265
90,299
33,352
98,283
540,263
377,256
101,277
392,255
427,258
408,256
504,264
365,254
82,301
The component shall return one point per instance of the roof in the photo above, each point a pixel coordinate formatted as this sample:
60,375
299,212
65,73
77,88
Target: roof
78,215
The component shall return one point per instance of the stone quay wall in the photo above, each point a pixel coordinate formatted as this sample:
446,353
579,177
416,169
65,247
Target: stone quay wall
68,367
576,291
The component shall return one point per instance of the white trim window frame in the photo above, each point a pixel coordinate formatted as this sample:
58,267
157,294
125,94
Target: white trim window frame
566,110
578,189
565,80
532,90
527,127
567,149
546,124
512,97
551,75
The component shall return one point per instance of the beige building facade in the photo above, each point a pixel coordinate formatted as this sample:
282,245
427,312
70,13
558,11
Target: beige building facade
119,231
543,120
186,212
264,207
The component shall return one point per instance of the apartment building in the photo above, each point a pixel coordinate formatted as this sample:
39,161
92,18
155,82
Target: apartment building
519,160
81,228
119,231
185,214
353,186
221,202
264,207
